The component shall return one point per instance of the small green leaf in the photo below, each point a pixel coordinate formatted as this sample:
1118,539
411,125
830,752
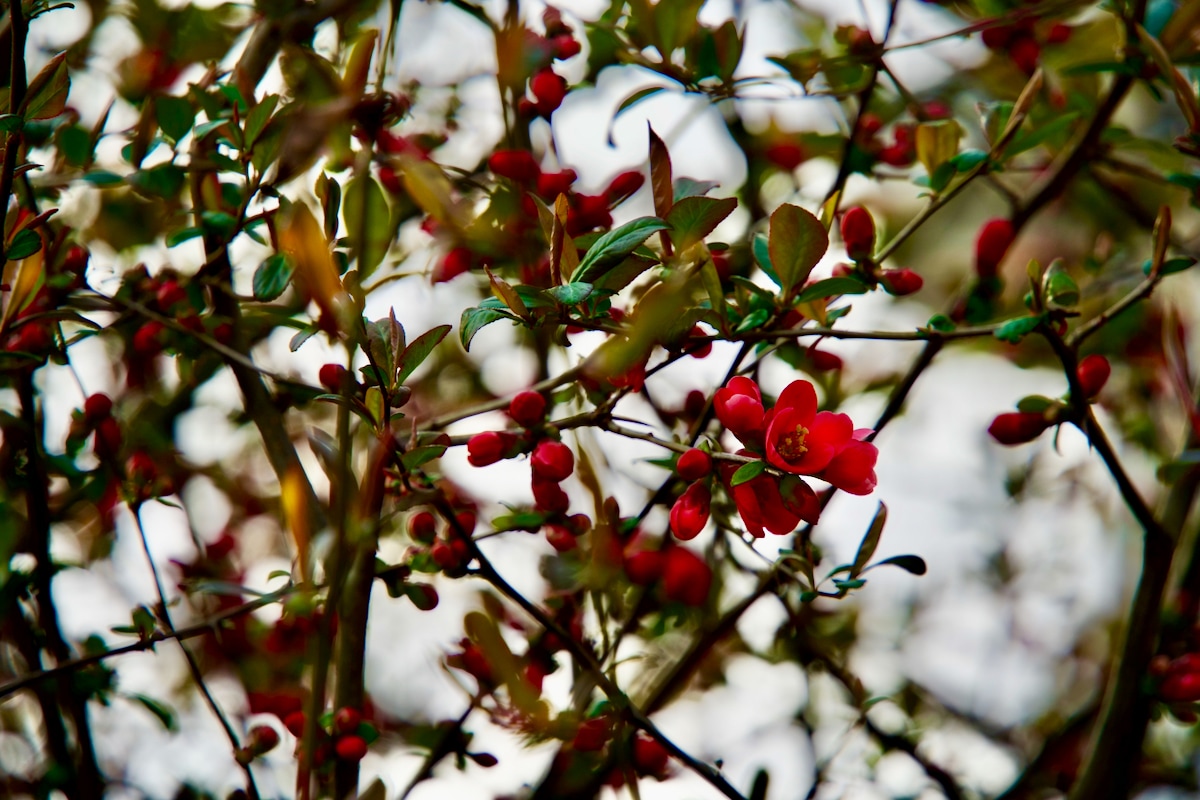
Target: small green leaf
1035,404
475,319
1017,329
1171,265
845,586
831,287
968,160
941,323
103,178
753,320
797,240
418,351
165,181
272,277
367,214
572,293
870,541
762,254
612,248
175,116
181,236
908,563
419,456
694,218
218,223
164,714
10,123
747,472
300,338
688,187
23,245
258,118
47,93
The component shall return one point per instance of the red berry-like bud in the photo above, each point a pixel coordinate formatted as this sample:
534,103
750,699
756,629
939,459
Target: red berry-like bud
351,748
346,720
560,538
331,375
644,567
551,184
824,361
1018,427
1183,687
528,409
693,465
516,165
1059,32
565,46
993,242
76,261
690,512
422,527
475,662
686,578
997,38
97,407
488,447
549,88
592,735
900,282
649,756
444,555
261,739
1093,372
549,496
552,461
785,155
108,438
455,263
390,180
858,233
1025,53
294,722
169,294
623,186
148,339
141,468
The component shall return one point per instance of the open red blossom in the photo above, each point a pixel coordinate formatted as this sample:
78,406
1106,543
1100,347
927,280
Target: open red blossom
489,447
690,513
853,468
739,407
552,461
686,577
766,504
1093,372
1018,427
798,438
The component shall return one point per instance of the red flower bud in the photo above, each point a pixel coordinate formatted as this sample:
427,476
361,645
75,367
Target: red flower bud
693,465
294,722
549,89
261,739
516,165
1025,53
444,555
351,748
690,512
330,376
644,567
560,538
994,239
1059,32
623,186
141,468
549,496
592,735
565,46
148,339
1018,427
686,578
489,447
76,261
552,461
475,662
390,180
422,527
858,233
528,409
901,282
455,263
824,361
97,407
169,293
785,155
1093,372
346,720
551,184
649,756
1181,680
108,438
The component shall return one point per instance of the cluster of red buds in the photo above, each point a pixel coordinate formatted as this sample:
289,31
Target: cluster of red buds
901,152
348,736
858,235
1019,427
1022,41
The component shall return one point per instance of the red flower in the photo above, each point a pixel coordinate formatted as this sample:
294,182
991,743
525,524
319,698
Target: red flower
643,567
551,184
623,186
552,461
694,464
766,503
516,165
901,282
739,408
798,438
351,748
686,578
858,233
549,496
527,409
1018,427
1093,373
649,756
548,89
690,513
994,239
97,407
330,376
853,468
489,447
456,262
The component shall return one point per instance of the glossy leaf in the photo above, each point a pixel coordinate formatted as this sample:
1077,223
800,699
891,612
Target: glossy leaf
797,240
614,246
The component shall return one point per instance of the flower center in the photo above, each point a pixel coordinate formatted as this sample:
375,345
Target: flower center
791,444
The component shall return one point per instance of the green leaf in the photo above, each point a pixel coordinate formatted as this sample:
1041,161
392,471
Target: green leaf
941,323
854,583
420,456
205,128
762,254
23,245
612,248
753,320
689,187
175,116
419,350
257,119
181,236
1171,265
572,293
1017,329
969,159
870,541
47,93
102,178
797,240
747,472
831,287
908,563
694,218
272,277
300,338
164,714
366,211
218,223
10,123
1035,404
165,181
1057,126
